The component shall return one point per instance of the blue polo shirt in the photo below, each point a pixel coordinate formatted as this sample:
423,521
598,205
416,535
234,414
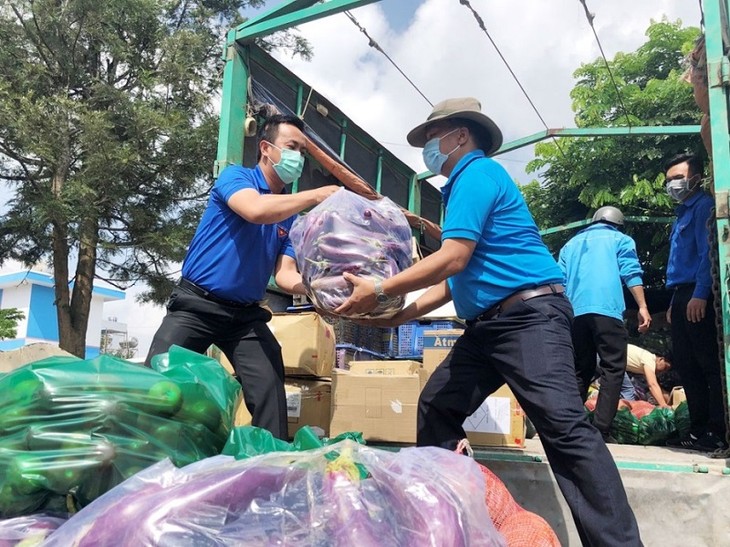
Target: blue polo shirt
689,248
595,262
229,256
483,204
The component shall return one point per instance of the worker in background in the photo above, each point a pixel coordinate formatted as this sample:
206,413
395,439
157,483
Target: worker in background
645,363
242,238
691,312
504,282
595,263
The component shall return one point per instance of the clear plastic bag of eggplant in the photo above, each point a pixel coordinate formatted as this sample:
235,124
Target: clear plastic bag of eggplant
349,233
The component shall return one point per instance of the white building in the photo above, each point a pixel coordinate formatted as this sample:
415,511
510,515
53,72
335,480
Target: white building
32,292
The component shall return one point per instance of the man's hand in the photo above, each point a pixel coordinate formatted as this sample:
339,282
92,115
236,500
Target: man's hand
696,310
323,192
362,300
644,319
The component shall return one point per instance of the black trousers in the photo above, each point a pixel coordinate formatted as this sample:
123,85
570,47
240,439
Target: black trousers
598,334
695,358
529,346
242,335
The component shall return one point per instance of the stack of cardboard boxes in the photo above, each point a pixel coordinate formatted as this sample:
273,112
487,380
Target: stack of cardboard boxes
377,398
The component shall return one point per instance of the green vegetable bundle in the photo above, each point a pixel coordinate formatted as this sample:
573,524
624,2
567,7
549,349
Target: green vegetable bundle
70,427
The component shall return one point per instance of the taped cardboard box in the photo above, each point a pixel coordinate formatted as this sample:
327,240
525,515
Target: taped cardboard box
377,398
308,402
307,343
499,421
436,346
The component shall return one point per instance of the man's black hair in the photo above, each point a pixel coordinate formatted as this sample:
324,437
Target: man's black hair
693,161
479,134
269,130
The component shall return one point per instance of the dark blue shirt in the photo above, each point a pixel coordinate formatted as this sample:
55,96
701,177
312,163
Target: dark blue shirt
689,248
483,204
229,256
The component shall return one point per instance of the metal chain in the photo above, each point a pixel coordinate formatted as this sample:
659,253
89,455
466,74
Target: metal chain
717,298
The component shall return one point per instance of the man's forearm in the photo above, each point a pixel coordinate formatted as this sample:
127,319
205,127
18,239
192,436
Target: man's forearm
637,291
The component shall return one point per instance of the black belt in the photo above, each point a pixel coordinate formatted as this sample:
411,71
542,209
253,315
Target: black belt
519,296
203,293
681,286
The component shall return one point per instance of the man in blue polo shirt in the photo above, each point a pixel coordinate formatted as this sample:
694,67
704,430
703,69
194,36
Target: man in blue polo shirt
692,311
595,262
504,282
242,238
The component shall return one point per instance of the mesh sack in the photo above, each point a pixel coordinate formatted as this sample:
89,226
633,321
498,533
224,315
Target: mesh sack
520,528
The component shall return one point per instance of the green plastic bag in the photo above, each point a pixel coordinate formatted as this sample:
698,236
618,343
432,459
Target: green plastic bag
682,420
71,427
625,427
249,441
657,426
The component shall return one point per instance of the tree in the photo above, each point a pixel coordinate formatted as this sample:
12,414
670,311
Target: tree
9,318
107,138
580,175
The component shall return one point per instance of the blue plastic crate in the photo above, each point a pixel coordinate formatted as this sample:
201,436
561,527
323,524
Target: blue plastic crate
410,335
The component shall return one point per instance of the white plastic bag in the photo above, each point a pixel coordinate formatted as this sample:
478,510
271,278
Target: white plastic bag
348,233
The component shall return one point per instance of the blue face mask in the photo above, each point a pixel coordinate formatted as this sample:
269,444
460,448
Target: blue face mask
290,165
432,155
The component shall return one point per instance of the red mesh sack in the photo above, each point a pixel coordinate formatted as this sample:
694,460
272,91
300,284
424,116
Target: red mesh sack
526,529
520,528
500,502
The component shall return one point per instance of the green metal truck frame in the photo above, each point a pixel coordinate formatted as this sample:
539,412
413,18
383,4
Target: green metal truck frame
296,12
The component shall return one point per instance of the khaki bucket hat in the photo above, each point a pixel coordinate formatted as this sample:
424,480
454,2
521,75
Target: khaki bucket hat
467,108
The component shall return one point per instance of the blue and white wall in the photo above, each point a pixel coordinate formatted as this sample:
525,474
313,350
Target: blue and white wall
32,292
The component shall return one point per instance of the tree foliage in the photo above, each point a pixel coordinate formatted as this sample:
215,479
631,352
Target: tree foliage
107,137
9,318
579,175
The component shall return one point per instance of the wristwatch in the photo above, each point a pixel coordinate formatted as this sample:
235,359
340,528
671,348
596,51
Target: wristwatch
380,296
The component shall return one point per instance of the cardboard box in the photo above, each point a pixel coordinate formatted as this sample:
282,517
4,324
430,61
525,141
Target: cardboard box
308,402
307,343
676,396
436,346
378,398
499,421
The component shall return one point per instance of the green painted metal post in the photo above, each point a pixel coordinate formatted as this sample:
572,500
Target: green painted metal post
343,139
295,13
379,173
300,113
414,195
233,106
718,74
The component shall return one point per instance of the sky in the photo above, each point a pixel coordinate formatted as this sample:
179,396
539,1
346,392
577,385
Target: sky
439,46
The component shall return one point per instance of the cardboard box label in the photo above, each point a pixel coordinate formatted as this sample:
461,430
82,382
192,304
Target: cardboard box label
494,416
294,404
